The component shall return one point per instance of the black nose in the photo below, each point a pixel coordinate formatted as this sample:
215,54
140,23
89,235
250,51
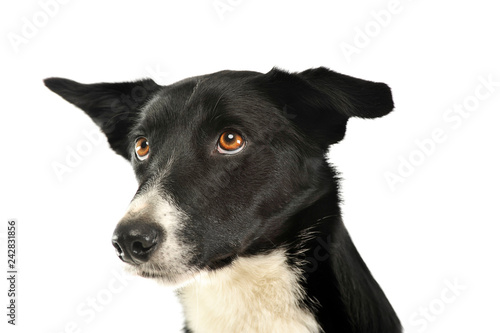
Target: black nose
136,242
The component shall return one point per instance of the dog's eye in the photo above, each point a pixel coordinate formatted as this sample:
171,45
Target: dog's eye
142,148
230,142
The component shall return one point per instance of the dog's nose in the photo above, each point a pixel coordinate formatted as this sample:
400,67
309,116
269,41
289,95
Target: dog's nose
135,242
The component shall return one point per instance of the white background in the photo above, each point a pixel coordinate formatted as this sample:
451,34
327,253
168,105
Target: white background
436,228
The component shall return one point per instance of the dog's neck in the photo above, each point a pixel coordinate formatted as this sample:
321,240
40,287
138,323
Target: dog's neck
254,294
317,283
338,283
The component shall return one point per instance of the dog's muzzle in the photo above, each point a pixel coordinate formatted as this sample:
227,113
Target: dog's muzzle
135,242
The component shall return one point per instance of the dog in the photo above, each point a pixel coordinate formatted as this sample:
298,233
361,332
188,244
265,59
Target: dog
237,205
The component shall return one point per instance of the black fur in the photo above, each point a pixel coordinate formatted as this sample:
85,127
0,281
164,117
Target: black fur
279,191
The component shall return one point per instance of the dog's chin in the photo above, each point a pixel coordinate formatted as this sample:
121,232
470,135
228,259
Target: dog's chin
171,279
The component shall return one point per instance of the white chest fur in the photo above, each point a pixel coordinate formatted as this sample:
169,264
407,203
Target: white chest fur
255,294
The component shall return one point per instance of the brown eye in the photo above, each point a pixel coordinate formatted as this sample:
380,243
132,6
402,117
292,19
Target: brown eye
230,142
142,148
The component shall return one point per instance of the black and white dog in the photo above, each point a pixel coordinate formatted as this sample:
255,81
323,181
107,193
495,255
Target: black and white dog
236,203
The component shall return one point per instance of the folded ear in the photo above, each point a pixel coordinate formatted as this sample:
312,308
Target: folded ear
320,101
114,107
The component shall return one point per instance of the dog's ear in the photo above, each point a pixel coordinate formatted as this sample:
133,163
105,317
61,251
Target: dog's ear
114,107
320,101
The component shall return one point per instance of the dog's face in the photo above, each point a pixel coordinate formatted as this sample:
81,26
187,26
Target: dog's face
223,160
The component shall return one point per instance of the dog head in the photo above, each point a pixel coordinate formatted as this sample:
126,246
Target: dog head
222,160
